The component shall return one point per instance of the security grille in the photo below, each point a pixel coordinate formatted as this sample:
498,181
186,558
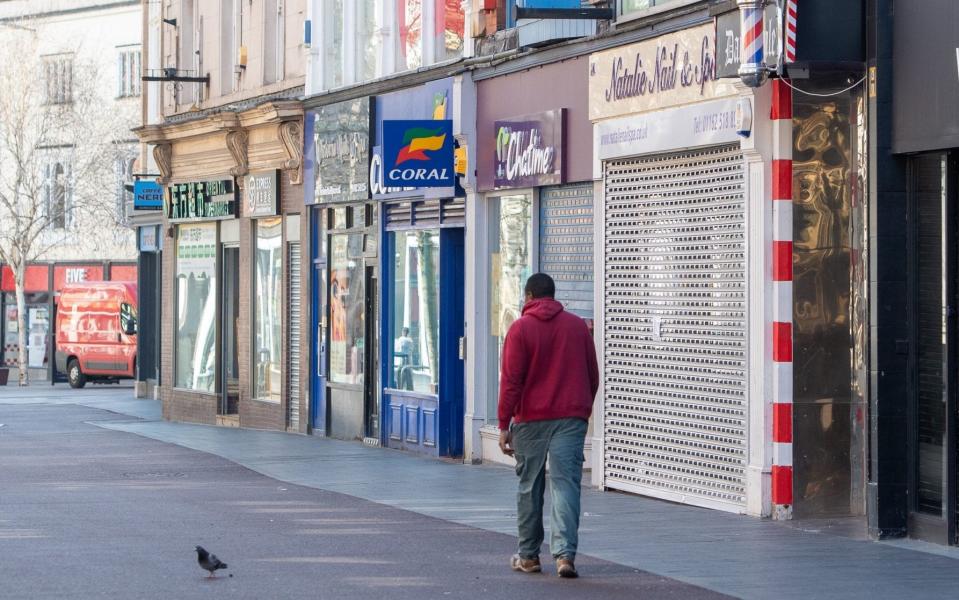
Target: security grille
566,244
293,337
675,327
410,213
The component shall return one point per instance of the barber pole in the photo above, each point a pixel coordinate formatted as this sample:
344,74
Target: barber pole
752,35
791,16
752,70
782,277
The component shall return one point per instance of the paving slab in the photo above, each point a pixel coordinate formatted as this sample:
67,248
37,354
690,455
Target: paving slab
732,554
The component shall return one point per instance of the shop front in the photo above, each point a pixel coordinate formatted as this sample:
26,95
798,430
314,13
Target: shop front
680,299
534,170
231,270
914,360
43,281
421,318
147,219
343,273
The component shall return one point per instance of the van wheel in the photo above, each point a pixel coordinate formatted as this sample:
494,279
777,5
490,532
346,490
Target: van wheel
75,375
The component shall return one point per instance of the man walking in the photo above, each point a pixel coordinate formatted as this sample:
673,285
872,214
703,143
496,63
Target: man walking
548,380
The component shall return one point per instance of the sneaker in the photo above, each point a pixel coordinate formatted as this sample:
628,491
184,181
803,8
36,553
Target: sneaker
566,569
526,565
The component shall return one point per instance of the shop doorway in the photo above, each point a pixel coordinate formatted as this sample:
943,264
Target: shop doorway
317,411
934,180
229,404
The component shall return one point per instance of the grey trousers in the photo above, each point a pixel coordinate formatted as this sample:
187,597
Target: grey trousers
561,442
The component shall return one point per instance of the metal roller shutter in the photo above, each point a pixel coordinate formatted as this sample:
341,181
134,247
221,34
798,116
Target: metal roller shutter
675,327
566,244
293,336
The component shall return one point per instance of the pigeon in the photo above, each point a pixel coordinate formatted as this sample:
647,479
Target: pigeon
209,561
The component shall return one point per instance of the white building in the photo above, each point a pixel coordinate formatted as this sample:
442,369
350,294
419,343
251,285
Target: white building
76,39
80,62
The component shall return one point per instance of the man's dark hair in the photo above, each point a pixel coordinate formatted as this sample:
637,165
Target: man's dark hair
540,285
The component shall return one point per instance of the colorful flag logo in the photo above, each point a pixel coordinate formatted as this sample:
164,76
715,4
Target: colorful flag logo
417,141
418,153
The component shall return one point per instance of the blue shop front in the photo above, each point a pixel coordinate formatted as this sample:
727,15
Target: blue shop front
422,208
343,273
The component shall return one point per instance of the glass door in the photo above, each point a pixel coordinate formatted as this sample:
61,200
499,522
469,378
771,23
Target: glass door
230,369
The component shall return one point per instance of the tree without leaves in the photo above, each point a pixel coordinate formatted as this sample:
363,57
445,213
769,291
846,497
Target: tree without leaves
55,113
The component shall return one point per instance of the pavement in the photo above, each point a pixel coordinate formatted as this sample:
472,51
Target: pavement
660,545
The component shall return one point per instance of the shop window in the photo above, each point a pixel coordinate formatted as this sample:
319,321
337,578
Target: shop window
267,310
415,310
511,264
128,72
632,6
347,314
196,307
37,321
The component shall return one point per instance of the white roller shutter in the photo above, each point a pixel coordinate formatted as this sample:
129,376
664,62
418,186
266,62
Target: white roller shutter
675,327
294,276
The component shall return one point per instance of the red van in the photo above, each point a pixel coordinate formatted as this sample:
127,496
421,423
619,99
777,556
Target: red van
96,331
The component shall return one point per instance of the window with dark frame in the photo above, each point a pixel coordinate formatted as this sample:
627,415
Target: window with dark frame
123,167
57,195
58,79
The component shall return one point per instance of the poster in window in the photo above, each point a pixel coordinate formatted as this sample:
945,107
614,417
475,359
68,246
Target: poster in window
347,315
195,365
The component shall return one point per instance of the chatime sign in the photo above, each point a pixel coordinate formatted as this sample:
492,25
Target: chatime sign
529,150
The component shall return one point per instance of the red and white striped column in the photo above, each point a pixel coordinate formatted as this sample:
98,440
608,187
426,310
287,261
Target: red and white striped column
792,14
782,277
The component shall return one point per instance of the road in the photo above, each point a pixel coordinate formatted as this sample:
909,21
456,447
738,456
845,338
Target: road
87,512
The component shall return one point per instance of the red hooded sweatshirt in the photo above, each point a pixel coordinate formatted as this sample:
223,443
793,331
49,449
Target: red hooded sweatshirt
549,366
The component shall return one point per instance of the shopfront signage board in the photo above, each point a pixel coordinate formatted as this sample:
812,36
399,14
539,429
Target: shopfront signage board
339,152
698,125
201,201
261,189
418,153
728,40
529,150
147,195
670,70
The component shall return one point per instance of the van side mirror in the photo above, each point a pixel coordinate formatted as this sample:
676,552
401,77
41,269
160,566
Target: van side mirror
128,319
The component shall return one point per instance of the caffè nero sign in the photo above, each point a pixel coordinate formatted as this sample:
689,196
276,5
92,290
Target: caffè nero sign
670,70
529,150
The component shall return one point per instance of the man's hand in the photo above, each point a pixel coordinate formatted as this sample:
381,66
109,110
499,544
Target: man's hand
506,442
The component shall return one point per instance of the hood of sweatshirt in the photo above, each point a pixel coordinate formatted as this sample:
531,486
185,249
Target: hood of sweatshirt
543,309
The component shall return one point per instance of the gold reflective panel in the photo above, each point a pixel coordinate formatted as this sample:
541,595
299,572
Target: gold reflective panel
829,285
